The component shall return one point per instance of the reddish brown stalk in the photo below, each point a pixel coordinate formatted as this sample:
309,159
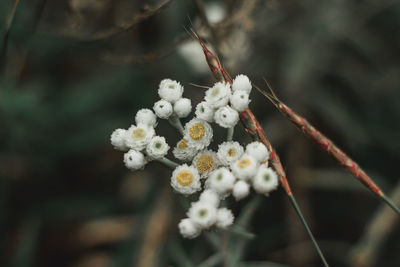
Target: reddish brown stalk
254,129
327,145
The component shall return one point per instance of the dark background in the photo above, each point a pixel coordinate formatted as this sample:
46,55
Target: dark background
73,71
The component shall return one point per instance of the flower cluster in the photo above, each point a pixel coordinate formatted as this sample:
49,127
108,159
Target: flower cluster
232,170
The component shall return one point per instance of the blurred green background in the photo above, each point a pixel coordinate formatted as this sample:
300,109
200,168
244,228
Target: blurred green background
72,71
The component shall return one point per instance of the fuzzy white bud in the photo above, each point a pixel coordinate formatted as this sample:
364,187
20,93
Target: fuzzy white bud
218,95
226,117
157,148
240,100
265,181
224,218
210,196
188,228
258,150
134,160
170,90
240,190
163,109
146,116
203,214
118,139
205,112
183,107
241,82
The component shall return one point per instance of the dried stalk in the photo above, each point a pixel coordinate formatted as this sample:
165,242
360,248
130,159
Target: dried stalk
327,145
253,128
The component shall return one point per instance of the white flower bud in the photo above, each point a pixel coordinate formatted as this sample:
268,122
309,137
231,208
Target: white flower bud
226,117
240,100
203,214
118,139
241,82
170,90
157,148
185,180
221,181
258,150
245,168
137,137
224,218
240,190
205,112
163,109
198,133
218,95
210,196
265,180
146,116
188,228
183,151
134,160
229,152
183,107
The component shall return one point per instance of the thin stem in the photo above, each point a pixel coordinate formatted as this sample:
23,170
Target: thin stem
391,204
310,234
229,136
168,163
3,49
176,122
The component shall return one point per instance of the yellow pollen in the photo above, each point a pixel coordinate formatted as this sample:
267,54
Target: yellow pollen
138,134
232,152
182,144
185,178
204,163
243,163
197,131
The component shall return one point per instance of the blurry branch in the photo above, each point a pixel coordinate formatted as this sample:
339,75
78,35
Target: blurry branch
149,12
102,232
384,222
3,50
241,14
203,16
144,58
98,259
155,232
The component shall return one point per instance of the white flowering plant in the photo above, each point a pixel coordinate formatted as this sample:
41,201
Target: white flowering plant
233,170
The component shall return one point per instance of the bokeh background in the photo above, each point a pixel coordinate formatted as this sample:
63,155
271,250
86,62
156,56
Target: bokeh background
74,70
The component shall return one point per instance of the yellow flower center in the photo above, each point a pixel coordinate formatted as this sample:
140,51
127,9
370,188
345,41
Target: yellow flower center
185,178
232,152
182,145
138,134
243,163
204,163
197,131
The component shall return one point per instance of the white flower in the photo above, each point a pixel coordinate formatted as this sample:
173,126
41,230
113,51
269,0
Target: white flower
241,82
224,218
205,162
245,168
205,112
183,107
240,190
240,100
183,151
265,180
203,214
146,116
221,181
170,90
188,228
210,196
229,152
258,150
118,139
198,133
226,117
157,148
137,137
185,180
218,95
134,160
163,109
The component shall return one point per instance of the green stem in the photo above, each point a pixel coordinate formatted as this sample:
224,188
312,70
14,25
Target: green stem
168,163
229,136
310,234
391,204
176,122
